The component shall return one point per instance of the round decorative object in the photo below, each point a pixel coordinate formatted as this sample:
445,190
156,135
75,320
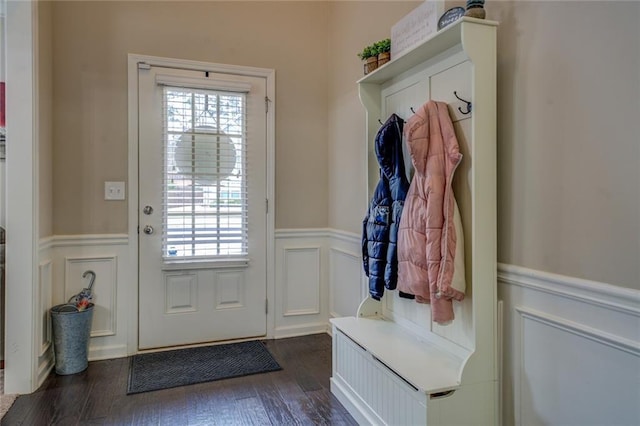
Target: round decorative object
475,9
450,16
474,3
214,159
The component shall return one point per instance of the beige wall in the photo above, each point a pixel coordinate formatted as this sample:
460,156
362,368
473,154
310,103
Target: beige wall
352,25
568,132
91,42
45,92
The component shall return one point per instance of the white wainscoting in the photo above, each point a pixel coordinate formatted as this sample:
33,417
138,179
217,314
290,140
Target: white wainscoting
301,281
347,284
317,277
63,260
571,347
571,350
309,266
301,290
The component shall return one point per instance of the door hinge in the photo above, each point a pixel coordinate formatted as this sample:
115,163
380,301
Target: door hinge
138,229
143,66
266,306
266,200
266,103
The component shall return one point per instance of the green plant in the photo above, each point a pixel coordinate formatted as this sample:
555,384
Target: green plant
368,52
382,46
375,49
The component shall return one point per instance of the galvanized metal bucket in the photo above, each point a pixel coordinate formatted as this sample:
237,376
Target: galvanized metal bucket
71,331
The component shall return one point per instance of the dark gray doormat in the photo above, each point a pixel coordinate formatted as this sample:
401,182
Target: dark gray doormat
162,370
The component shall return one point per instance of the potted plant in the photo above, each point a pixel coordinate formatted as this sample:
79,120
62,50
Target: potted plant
370,55
383,47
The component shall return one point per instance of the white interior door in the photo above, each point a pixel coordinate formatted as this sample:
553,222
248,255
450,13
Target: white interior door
202,207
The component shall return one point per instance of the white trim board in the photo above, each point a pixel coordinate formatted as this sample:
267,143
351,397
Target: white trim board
598,336
596,293
22,198
84,240
303,233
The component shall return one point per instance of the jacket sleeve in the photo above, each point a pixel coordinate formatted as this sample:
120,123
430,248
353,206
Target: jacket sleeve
391,268
376,229
453,157
377,246
365,241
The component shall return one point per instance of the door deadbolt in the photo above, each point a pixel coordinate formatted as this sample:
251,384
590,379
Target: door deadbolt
148,229
147,210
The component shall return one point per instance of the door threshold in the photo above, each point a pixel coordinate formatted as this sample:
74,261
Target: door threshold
198,345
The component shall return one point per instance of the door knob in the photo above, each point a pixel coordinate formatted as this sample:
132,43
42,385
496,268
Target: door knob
148,229
147,210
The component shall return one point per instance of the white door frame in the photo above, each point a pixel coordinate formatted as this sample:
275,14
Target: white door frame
22,198
270,76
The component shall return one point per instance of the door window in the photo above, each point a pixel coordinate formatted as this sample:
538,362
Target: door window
204,174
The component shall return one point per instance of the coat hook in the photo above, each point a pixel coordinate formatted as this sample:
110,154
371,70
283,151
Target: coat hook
412,110
380,121
468,111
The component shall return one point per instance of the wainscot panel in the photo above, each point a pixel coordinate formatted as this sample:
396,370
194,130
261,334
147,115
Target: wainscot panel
347,279
318,276
571,350
301,281
301,288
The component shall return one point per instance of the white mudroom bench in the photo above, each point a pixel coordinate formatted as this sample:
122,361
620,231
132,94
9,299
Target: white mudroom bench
391,363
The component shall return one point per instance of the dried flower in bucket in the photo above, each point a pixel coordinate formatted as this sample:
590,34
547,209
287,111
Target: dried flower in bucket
84,298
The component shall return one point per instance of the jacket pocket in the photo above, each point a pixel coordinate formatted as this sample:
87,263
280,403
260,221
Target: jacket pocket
378,233
380,215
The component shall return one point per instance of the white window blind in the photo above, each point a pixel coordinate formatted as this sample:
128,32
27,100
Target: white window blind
204,175
202,83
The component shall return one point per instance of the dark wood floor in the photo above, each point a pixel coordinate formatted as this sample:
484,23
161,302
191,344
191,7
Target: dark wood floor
297,395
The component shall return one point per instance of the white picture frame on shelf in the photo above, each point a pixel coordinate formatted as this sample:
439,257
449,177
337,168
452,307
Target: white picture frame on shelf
416,26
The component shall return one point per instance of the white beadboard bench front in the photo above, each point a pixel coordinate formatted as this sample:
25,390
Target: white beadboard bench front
428,367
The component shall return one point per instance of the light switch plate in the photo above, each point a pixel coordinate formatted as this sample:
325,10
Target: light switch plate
114,191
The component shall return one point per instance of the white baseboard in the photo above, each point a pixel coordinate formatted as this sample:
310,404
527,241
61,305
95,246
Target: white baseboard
98,353
46,365
302,330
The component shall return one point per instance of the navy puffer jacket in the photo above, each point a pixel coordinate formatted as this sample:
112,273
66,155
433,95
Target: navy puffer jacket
380,225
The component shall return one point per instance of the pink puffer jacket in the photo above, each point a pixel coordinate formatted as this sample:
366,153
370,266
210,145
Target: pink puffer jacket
427,235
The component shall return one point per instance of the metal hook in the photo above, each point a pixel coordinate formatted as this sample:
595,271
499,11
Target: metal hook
466,102
411,108
380,121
